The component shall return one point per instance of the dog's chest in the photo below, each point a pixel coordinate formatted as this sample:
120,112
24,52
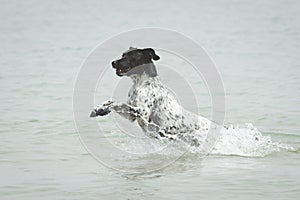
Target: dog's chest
142,95
155,102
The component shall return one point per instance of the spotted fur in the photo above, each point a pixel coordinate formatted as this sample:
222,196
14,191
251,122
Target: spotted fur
156,110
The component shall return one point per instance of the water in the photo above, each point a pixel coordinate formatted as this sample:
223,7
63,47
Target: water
256,48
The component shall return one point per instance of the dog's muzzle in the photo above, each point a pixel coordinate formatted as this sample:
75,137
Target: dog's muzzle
120,66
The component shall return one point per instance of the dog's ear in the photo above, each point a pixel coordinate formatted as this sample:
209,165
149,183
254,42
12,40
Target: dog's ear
151,52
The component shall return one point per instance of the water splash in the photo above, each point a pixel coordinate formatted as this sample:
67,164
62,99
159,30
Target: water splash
247,141
242,140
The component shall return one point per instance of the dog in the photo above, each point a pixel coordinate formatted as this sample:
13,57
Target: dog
151,104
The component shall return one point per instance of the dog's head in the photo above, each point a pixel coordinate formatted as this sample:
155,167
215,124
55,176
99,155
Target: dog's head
133,58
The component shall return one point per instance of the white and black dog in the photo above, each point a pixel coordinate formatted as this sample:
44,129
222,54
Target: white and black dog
151,104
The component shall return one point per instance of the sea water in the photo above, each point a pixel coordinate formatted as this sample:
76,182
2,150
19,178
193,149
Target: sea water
255,45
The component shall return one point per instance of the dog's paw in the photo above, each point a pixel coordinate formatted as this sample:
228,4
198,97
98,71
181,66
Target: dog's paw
102,109
93,113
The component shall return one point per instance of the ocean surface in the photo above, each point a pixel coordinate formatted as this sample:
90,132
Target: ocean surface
255,46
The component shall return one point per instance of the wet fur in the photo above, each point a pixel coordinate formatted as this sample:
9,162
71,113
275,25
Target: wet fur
154,107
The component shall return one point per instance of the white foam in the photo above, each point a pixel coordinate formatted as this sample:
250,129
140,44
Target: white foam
247,141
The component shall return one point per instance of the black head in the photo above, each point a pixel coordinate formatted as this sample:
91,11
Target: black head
132,59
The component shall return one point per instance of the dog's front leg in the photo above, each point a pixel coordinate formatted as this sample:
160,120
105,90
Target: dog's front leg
131,113
125,110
